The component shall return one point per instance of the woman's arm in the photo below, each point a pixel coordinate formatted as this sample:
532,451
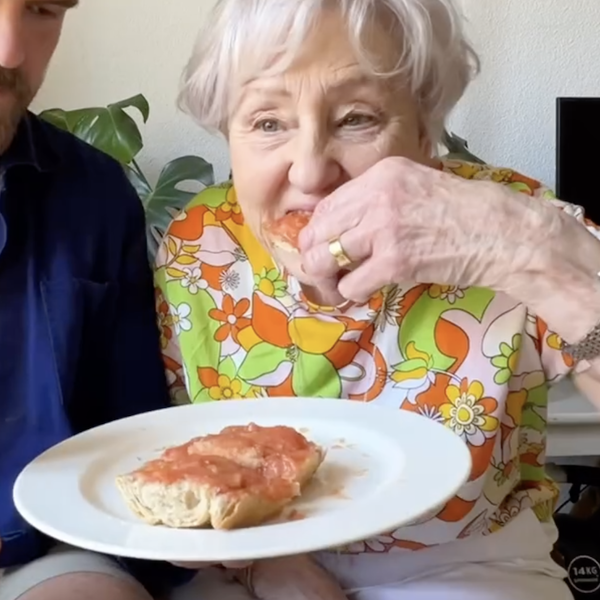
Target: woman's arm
401,221
563,288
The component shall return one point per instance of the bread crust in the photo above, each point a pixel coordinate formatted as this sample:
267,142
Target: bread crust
283,233
229,486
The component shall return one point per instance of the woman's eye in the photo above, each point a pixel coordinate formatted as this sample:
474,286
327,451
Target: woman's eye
268,125
356,120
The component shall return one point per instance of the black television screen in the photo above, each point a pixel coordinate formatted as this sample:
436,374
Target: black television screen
578,153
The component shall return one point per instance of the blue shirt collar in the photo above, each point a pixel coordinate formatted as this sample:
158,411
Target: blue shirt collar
31,146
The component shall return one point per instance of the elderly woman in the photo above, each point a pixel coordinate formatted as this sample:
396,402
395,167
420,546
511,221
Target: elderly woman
454,290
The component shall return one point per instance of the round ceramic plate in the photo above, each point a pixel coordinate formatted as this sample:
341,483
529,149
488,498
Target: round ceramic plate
384,468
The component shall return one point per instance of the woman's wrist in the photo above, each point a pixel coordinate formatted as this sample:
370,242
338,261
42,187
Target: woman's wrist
561,283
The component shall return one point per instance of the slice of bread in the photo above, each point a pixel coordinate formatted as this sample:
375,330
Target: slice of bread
284,232
237,478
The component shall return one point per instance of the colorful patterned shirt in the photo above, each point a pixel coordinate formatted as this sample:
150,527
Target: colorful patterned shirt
234,326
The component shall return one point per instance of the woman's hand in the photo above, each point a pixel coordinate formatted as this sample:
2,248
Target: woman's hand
401,222
404,222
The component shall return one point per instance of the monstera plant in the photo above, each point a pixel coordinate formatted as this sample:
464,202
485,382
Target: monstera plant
113,130
458,148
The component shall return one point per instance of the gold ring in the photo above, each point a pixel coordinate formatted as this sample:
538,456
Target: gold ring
337,251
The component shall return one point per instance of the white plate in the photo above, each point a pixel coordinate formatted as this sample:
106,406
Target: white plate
384,468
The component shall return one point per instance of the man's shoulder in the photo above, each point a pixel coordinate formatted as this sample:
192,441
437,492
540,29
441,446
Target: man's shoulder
66,145
88,172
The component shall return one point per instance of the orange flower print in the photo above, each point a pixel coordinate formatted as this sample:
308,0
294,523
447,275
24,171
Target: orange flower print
225,389
193,281
219,385
165,321
230,209
555,342
189,225
386,306
513,507
523,184
507,361
467,412
414,375
270,283
232,317
450,293
179,315
463,169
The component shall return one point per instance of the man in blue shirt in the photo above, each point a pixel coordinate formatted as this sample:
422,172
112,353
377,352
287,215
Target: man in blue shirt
78,337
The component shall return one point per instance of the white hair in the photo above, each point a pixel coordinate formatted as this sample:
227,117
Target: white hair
243,38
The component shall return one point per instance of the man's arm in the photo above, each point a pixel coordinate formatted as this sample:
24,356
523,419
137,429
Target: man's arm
120,372
136,381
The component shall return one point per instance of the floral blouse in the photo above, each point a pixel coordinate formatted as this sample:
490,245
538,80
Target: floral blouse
234,326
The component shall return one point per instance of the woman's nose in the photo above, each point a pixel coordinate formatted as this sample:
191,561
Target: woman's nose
12,43
313,170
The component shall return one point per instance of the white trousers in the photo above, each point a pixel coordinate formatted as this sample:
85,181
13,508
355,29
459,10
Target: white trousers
513,563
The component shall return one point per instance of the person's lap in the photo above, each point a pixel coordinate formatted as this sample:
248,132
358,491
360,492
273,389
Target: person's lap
462,582
70,574
513,563
473,582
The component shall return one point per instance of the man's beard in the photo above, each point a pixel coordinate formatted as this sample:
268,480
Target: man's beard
13,84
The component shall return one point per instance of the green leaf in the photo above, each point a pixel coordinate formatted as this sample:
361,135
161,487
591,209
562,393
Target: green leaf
202,303
167,199
202,395
183,169
227,367
502,376
138,101
412,364
66,120
314,376
537,399
199,341
110,129
261,360
459,148
501,362
139,181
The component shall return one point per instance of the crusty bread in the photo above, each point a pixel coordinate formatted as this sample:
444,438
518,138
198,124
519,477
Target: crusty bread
283,245
186,504
238,478
283,233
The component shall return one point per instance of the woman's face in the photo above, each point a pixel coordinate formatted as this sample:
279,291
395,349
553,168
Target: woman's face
296,137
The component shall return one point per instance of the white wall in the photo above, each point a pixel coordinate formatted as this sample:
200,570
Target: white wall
114,49
532,51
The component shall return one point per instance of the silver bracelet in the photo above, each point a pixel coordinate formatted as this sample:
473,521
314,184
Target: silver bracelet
586,349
